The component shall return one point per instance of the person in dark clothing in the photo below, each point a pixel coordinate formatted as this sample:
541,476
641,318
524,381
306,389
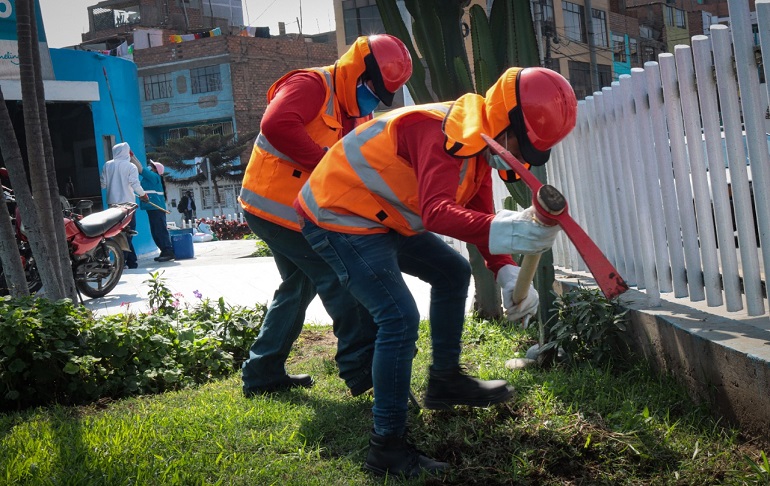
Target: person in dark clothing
187,206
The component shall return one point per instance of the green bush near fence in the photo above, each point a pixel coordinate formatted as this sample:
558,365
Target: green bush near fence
59,352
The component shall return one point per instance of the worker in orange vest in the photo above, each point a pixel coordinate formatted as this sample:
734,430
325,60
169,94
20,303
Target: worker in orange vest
373,204
308,111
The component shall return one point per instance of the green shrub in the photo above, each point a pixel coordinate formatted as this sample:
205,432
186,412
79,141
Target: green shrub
262,250
588,327
227,229
58,352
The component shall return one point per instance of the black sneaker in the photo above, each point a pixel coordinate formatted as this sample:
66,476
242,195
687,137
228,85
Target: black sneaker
164,258
285,383
395,455
447,388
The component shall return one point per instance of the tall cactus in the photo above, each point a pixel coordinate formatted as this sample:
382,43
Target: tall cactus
503,39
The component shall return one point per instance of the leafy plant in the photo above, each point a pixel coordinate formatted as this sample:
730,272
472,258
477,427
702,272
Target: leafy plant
56,352
262,250
588,327
227,229
160,298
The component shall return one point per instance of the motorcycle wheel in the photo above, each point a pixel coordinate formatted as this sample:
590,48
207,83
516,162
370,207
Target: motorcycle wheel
34,283
100,273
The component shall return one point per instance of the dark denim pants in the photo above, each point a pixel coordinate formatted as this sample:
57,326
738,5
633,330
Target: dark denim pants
159,231
130,256
303,272
370,267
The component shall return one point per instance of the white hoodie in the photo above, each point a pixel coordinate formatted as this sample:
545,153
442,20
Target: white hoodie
120,177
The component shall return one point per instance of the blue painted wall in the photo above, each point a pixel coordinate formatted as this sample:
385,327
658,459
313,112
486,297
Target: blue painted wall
184,107
72,65
619,68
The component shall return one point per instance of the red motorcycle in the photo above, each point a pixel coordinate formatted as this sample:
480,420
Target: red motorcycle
96,243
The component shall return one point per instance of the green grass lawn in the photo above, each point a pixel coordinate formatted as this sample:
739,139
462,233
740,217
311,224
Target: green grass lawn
566,426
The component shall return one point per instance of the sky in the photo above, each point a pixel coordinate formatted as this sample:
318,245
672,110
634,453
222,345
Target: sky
65,20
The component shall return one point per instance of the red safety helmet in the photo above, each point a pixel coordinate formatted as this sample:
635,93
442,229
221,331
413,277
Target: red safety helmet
547,109
389,66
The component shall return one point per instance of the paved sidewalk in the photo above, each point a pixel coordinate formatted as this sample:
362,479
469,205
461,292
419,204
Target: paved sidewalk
220,269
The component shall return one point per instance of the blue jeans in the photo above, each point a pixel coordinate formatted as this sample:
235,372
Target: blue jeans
303,273
159,231
130,256
370,267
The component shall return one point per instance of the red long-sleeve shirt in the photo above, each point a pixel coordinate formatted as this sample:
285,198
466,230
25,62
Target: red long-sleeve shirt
420,142
295,104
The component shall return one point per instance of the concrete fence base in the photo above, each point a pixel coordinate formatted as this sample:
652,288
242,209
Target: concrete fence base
722,359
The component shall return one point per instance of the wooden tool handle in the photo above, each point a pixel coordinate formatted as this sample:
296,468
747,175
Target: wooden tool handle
550,200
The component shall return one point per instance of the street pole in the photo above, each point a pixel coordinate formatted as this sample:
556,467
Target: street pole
591,48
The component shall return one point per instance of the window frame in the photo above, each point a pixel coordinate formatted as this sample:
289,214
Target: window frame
156,87
619,48
570,11
360,17
212,77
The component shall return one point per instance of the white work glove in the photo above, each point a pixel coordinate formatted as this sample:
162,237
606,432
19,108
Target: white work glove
524,310
520,232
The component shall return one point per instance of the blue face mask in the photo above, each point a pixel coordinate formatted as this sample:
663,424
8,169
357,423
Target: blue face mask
367,101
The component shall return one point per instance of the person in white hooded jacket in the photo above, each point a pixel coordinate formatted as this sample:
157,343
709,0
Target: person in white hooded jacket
120,179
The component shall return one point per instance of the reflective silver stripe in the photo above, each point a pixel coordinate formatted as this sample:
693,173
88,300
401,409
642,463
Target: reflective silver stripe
153,192
463,171
263,143
369,176
269,206
330,83
327,216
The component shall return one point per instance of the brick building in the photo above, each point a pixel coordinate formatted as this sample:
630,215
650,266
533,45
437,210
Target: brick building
202,78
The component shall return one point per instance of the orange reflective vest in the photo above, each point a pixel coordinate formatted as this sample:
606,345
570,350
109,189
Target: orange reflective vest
272,179
362,186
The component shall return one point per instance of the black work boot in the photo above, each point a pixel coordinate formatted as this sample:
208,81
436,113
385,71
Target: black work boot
453,387
394,455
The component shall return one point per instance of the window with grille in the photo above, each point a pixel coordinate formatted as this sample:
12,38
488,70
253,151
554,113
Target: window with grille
223,128
573,21
633,51
580,77
599,19
361,17
157,87
546,9
619,48
228,197
206,80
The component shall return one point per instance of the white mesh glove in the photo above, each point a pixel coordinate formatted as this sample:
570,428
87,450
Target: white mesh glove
524,310
520,232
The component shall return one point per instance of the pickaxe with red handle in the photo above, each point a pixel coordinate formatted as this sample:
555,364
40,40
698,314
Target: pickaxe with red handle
551,209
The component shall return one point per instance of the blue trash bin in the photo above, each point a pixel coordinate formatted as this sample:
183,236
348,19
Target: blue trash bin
183,246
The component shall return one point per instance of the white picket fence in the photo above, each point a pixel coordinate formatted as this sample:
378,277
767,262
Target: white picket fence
644,194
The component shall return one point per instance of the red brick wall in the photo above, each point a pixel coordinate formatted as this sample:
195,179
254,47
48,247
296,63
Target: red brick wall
624,24
255,64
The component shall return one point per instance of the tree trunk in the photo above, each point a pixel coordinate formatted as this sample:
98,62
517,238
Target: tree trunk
15,277
9,249
60,241
41,235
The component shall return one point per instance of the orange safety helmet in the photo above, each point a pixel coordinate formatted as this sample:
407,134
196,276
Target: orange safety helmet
546,112
389,66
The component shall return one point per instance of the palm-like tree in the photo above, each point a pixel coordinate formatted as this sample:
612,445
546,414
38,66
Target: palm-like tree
221,151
